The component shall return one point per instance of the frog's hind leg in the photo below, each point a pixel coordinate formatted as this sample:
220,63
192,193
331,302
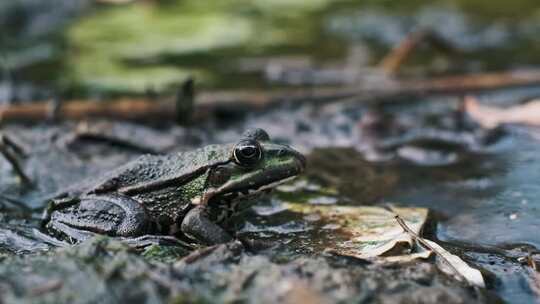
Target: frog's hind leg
78,219
113,215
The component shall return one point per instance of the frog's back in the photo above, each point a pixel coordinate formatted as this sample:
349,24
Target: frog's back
156,169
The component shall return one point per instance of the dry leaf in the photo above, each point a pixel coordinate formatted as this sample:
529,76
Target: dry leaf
447,262
403,259
372,231
387,236
534,276
455,266
492,117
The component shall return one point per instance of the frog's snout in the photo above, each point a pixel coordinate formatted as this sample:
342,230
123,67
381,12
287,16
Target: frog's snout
298,158
301,161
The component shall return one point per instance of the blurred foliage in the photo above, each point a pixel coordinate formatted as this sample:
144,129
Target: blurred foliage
83,47
125,48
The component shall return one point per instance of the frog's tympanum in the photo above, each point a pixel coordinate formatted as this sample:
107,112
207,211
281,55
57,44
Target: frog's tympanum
186,194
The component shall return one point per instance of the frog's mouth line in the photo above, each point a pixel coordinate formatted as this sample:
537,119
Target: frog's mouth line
254,184
247,193
219,195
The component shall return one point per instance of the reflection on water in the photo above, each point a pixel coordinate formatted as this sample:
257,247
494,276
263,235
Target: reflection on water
508,211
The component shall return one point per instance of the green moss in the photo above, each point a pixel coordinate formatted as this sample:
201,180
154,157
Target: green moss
130,48
103,44
165,254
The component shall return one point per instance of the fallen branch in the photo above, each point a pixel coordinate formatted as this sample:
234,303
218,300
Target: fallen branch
474,82
161,110
208,103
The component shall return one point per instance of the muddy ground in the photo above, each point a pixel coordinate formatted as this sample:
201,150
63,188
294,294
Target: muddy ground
294,268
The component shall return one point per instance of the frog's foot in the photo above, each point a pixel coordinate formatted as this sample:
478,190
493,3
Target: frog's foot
65,234
198,226
76,236
11,150
162,240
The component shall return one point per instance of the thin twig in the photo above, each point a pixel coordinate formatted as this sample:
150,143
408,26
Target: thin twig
7,149
48,286
394,59
425,244
15,145
199,254
391,63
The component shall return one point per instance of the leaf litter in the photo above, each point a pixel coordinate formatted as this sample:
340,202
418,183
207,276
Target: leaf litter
388,236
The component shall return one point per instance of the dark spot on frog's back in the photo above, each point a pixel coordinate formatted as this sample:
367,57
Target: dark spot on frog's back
212,155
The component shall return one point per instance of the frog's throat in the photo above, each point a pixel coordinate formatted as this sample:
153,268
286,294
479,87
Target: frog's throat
234,195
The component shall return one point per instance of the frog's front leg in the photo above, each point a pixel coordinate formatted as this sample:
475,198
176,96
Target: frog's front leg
114,215
198,226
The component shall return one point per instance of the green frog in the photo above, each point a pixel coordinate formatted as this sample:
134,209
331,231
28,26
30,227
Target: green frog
185,195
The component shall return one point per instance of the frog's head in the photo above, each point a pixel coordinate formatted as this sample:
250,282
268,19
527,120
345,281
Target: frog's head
254,165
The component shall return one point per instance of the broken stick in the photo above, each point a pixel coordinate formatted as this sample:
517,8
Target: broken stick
208,103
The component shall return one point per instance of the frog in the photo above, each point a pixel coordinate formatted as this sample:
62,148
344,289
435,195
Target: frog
186,197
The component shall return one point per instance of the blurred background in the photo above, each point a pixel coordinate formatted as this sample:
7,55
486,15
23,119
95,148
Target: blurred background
110,47
416,102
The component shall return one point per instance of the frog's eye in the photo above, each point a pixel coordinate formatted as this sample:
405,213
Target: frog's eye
247,153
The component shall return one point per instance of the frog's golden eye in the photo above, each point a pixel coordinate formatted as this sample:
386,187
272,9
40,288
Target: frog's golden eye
247,153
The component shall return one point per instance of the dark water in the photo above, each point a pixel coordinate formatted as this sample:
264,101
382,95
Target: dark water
486,206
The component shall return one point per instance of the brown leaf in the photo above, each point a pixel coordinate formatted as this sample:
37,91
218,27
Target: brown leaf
492,117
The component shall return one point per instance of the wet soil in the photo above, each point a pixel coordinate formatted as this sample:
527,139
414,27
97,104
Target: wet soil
105,271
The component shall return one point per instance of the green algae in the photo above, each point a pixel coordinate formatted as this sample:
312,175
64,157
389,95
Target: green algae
119,49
